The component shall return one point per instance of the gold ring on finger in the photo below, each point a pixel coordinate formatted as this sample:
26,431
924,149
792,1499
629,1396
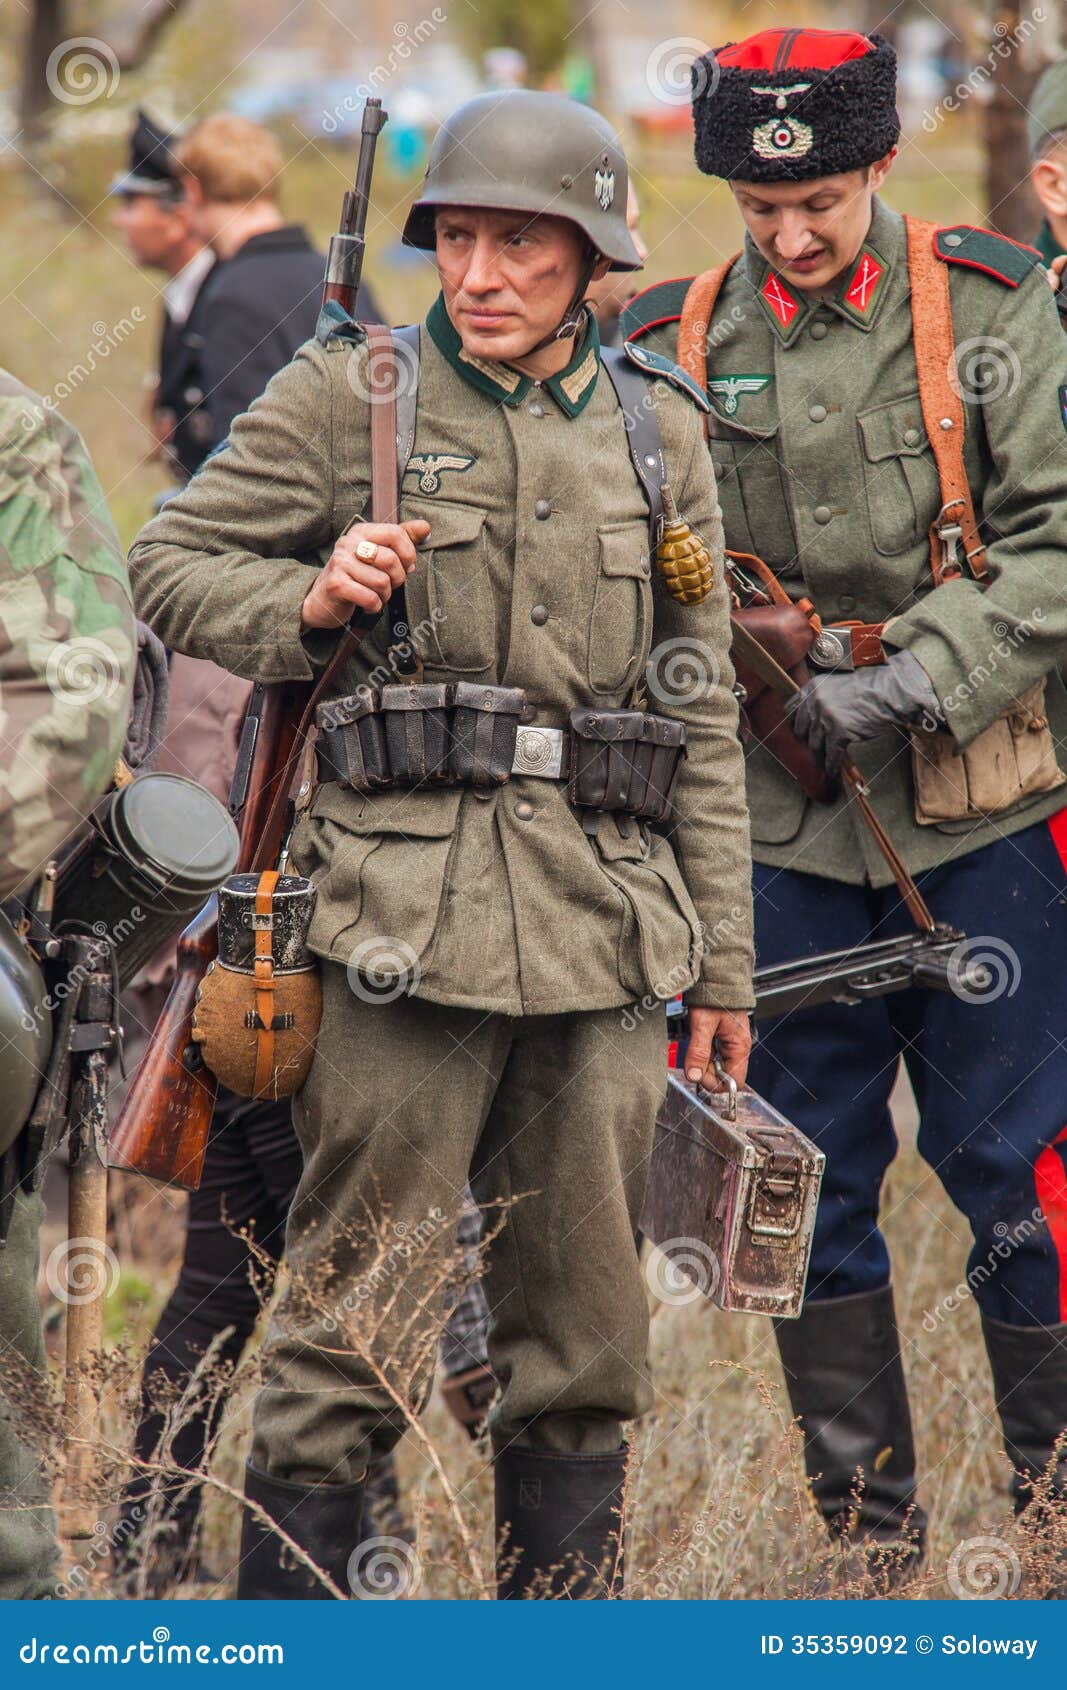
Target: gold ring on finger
367,551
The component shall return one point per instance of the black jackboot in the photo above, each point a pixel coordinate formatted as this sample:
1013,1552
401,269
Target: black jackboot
1029,1367
560,1520
324,1520
845,1378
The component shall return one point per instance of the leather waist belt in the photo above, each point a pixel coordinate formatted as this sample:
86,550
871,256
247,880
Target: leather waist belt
847,645
461,734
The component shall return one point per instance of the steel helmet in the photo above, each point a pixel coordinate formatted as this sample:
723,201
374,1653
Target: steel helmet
524,150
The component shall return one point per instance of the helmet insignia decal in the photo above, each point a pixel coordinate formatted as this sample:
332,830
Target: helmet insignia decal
783,136
604,185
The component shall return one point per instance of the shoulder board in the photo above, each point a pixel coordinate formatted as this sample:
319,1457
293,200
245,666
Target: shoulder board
652,364
334,323
980,249
654,306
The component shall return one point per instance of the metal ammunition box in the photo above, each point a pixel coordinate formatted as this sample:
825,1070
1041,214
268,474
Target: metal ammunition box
734,1178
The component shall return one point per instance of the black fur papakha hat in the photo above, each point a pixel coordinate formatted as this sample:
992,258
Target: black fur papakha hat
787,105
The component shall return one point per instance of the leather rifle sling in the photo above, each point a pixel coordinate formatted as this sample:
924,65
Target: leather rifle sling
769,670
693,359
941,401
695,322
263,972
385,507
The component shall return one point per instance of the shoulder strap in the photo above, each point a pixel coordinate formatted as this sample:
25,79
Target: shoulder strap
695,322
385,507
942,406
408,348
642,431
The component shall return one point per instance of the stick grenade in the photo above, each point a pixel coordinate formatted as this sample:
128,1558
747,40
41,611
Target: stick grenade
86,1254
344,261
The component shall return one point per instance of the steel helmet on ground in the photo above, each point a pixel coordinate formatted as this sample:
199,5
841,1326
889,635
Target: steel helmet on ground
524,150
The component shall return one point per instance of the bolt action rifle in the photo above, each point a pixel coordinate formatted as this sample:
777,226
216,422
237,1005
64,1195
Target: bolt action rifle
163,1126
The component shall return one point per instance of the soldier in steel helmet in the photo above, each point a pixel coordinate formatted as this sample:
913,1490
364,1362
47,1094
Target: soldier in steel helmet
888,437
67,651
518,925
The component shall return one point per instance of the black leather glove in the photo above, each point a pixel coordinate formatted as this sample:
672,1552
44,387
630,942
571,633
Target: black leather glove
833,712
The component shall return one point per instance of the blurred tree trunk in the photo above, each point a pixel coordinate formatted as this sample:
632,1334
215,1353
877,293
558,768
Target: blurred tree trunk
1013,207
45,31
128,44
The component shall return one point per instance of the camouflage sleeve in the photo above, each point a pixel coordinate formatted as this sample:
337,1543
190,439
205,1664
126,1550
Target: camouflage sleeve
67,643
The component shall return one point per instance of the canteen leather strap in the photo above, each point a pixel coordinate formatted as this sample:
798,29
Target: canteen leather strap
263,971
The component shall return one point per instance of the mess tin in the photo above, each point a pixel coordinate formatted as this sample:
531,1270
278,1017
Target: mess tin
735,1183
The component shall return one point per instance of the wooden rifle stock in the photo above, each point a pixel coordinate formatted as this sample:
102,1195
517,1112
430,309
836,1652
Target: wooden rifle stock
163,1126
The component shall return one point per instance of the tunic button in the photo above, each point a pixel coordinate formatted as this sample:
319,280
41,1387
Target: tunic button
528,714
912,437
817,413
818,331
539,615
542,510
847,602
822,514
524,812
953,240
535,409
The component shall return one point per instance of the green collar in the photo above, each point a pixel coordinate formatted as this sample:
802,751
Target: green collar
1047,244
860,296
571,388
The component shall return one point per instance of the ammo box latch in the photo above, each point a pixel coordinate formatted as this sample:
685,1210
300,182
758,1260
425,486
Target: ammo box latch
775,1207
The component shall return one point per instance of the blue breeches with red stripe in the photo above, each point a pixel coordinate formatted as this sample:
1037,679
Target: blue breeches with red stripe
990,1077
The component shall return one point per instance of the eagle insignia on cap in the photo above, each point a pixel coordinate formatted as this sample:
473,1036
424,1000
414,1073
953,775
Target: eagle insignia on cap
604,185
783,136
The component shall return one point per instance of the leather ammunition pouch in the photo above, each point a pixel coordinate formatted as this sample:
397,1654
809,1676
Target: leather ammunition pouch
461,734
433,734
624,760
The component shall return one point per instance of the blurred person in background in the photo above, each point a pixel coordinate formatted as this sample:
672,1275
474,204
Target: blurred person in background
1046,126
610,296
263,300
156,223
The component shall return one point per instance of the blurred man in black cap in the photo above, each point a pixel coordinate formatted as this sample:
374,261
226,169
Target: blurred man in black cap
265,293
156,222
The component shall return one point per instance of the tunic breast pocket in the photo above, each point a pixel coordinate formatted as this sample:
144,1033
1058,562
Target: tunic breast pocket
899,473
459,589
621,621
755,511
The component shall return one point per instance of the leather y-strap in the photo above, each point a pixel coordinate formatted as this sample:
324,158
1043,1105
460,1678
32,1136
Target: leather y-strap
695,322
385,507
263,971
942,406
